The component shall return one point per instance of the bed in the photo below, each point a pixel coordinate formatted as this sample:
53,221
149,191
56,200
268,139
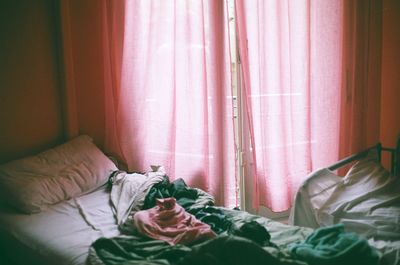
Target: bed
366,200
60,235
81,220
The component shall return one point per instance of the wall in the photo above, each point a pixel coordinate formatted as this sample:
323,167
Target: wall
87,55
30,112
390,81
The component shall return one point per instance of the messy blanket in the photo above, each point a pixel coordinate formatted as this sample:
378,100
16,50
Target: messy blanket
225,236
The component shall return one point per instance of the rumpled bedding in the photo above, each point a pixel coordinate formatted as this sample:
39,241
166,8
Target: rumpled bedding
240,245
132,192
188,197
366,201
224,249
129,191
246,242
238,237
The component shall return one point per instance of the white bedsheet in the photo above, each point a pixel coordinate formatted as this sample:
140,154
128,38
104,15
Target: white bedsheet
60,235
366,201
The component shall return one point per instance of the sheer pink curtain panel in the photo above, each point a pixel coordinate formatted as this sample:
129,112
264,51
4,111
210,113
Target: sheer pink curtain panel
170,102
291,62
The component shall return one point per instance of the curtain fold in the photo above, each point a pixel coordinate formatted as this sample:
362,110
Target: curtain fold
84,60
70,115
360,101
291,64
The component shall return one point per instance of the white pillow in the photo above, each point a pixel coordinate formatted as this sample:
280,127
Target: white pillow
60,173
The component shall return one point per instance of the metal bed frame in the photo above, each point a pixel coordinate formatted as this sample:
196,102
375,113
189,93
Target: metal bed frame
394,152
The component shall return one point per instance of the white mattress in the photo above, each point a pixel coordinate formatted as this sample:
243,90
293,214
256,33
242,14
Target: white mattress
59,235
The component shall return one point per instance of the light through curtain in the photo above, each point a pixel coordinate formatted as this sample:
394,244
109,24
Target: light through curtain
172,103
291,62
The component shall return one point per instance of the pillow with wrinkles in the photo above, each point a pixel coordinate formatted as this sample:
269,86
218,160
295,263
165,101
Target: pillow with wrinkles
60,173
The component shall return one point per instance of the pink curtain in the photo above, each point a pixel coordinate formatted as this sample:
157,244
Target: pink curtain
291,62
166,84
85,63
150,82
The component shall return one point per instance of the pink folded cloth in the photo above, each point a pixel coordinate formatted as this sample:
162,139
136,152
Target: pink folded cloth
169,222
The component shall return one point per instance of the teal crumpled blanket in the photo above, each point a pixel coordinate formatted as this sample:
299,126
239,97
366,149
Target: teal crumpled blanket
332,245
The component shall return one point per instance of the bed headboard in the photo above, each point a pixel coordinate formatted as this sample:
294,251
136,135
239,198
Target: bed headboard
394,154
395,157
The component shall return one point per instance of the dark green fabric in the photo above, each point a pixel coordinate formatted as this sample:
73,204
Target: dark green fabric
136,250
133,250
223,250
332,245
254,231
281,234
232,250
184,195
214,217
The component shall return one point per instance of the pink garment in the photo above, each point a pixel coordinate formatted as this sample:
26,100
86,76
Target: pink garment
169,222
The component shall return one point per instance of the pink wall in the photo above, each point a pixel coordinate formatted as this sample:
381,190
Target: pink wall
87,50
390,81
30,85
30,113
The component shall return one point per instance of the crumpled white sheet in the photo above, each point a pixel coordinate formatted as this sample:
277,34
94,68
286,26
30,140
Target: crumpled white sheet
59,235
366,201
129,192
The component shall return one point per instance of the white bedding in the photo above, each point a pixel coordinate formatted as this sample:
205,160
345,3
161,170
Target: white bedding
63,233
366,201
59,235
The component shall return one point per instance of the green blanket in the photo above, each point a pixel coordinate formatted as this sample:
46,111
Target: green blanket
332,245
325,246
225,249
